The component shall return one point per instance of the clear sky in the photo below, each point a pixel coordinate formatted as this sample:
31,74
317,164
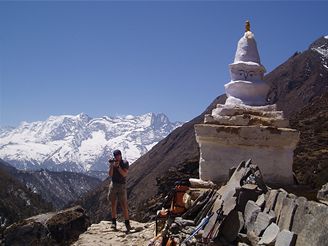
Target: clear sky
133,57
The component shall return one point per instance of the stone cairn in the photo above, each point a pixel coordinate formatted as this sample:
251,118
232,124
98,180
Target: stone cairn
246,212
246,126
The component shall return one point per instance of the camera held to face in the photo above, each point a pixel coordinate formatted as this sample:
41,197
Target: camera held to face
111,161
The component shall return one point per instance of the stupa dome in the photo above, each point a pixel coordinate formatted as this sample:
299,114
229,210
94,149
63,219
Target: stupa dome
247,52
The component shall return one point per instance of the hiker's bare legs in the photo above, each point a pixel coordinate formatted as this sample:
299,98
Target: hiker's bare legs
124,205
113,203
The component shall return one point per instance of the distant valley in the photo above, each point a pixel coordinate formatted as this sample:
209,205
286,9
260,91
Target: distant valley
56,188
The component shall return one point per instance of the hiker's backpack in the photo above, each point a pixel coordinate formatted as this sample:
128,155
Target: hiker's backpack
177,204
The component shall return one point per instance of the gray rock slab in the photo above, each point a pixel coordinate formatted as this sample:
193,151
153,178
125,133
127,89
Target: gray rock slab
285,238
270,199
301,210
270,234
250,214
315,225
263,220
229,205
232,225
260,201
287,213
279,203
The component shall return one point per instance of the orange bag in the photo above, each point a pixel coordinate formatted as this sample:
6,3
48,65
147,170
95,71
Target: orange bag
177,205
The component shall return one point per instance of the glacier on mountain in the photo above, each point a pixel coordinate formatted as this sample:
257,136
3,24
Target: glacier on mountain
81,143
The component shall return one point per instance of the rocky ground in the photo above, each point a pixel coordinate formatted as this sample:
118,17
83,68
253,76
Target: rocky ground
102,234
54,228
243,212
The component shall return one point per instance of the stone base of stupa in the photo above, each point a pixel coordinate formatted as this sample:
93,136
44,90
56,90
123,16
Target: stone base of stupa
234,134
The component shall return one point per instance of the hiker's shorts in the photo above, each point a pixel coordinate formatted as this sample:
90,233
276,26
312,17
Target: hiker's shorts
117,190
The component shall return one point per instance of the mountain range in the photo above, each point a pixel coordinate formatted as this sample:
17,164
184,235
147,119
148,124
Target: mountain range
299,87
80,143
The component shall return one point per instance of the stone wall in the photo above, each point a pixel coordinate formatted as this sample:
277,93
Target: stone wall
247,212
293,220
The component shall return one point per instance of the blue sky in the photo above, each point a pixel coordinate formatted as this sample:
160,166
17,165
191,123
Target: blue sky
118,58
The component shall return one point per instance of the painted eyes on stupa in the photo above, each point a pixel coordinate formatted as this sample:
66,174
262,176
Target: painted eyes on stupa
245,75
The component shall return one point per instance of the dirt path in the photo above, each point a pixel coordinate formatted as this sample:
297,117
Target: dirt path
102,234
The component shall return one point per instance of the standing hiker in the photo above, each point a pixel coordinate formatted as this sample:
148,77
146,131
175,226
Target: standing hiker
118,170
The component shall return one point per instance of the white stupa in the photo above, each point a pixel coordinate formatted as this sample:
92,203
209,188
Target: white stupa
247,86
246,127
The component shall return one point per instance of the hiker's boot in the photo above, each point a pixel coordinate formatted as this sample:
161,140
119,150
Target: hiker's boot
113,226
128,226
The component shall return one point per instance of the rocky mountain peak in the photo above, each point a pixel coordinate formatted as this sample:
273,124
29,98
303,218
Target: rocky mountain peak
320,46
320,43
161,120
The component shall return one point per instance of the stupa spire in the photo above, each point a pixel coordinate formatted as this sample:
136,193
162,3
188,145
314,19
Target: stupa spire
247,26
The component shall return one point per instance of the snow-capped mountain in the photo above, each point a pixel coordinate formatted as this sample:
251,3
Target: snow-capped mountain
321,46
81,143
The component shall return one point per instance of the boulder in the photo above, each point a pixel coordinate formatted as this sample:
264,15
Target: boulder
62,227
27,232
67,225
285,238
